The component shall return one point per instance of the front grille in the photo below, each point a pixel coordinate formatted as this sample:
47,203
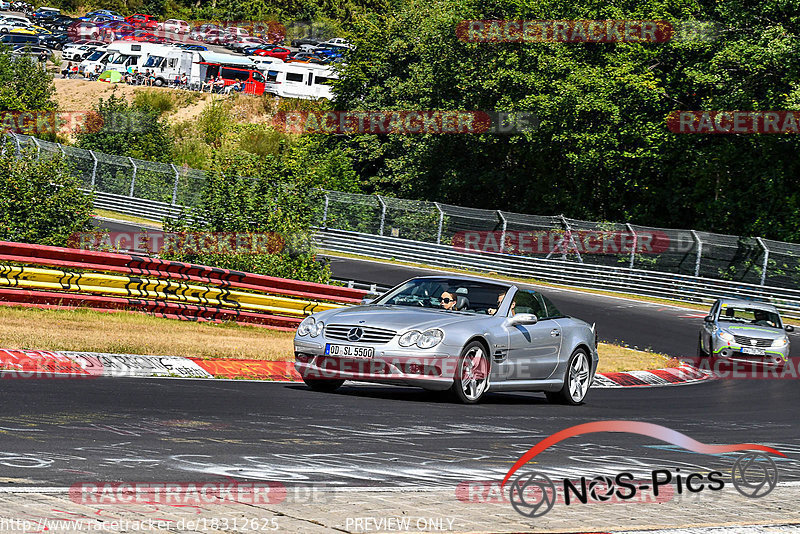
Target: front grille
370,334
746,341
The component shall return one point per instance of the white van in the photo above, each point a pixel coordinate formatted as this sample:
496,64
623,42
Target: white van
128,55
98,58
169,62
298,80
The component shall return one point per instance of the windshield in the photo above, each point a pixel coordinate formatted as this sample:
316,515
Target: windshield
95,56
120,59
753,316
447,294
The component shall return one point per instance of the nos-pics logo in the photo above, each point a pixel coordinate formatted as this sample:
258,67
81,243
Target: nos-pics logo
533,494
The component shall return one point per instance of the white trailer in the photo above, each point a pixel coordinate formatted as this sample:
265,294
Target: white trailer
300,80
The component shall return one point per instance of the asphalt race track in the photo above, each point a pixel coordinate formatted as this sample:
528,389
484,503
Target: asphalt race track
62,432
57,433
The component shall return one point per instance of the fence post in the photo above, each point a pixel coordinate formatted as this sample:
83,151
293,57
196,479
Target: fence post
766,260
571,239
503,232
325,213
441,222
17,148
94,169
699,252
133,178
383,213
635,243
38,148
175,187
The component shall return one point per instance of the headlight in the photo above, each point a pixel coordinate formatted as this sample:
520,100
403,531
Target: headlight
305,327
781,342
430,338
316,329
409,338
725,336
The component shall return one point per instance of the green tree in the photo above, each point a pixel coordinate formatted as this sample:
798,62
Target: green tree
39,199
24,85
128,130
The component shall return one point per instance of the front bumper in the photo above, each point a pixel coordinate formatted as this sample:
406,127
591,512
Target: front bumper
733,351
428,369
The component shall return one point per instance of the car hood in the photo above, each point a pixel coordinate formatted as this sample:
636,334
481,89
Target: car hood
397,318
754,331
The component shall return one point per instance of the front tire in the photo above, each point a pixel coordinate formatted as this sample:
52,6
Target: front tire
577,380
323,385
700,352
472,374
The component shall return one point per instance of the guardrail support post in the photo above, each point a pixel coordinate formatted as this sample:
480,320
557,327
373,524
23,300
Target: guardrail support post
503,233
571,239
17,148
38,148
699,252
175,187
325,212
383,213
133,178
441,223
635,243
766,260
61,148
94,169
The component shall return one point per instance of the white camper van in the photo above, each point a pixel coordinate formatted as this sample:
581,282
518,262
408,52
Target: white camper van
169,63
129,55
299,80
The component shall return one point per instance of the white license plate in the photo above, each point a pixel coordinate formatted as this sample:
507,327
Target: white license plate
348,351
751,350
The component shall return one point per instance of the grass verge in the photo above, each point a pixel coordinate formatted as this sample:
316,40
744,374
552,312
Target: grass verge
108,214
133,333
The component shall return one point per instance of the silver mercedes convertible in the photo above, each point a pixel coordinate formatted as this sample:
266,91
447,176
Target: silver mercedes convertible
462,334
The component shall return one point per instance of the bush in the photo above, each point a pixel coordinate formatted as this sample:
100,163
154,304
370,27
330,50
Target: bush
39,199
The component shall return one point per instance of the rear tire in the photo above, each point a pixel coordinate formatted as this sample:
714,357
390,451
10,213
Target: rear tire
472,374
323,385
577,379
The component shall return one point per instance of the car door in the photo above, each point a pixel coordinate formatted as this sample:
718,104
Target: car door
532,348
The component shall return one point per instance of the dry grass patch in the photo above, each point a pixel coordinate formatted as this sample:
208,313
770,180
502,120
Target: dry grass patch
108,214
615,358
134,333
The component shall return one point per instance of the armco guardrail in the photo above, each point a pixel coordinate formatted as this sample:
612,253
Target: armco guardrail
53,276
632,281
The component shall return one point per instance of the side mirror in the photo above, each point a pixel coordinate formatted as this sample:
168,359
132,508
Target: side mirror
789,328
366,301
709,318
522,318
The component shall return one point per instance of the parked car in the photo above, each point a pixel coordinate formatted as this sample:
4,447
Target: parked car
744,330
252,80
192,47
216,37
55,41
297,43
105,14
12,40
28,50
304,57
277,51
337,41
243,43
45,13
83,29
457,333
180,27
142,22
5,6
77,53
